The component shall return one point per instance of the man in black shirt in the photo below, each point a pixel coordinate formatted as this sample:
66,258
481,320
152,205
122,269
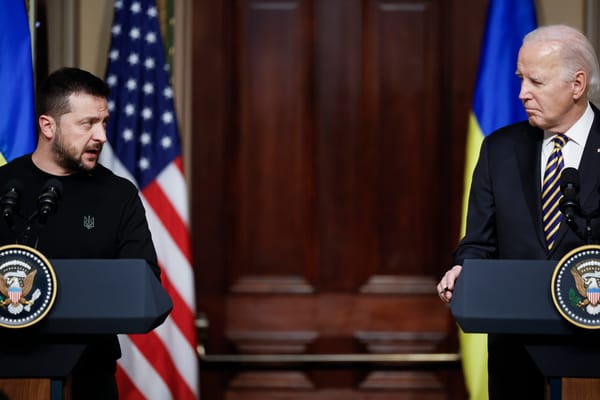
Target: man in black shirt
98,215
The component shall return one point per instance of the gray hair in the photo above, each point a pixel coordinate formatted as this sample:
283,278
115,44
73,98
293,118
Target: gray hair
575,50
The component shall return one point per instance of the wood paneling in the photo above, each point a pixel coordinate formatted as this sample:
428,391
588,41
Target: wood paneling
24,388
327,179
340,152
580,388
402,84
272,167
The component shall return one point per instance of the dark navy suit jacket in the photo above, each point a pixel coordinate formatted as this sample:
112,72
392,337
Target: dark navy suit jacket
504,214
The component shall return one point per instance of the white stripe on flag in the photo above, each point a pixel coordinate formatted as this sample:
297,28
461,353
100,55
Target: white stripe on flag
173,261
172,183
141,373
183,355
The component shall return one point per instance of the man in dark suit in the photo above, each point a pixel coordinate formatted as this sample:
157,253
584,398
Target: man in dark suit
559,75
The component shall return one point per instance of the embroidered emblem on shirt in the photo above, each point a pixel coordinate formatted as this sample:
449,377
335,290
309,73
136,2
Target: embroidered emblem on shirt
88,222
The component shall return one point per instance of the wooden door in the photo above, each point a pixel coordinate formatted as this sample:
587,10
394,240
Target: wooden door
328,152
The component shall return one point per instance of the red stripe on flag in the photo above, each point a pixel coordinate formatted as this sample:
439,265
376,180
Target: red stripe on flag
158,356
127,389
181,315
178,161
162,206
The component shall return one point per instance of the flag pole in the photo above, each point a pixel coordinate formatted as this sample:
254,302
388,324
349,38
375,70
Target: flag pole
32,36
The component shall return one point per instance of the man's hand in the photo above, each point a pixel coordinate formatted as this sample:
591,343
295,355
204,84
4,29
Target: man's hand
446,285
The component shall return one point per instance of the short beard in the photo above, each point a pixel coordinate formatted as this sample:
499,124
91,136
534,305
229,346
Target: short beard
64,158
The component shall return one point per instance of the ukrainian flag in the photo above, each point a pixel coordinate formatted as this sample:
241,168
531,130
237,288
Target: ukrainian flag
17,123
495,104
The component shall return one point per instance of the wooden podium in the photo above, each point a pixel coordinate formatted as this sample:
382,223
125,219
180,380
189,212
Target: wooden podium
514,297
119,296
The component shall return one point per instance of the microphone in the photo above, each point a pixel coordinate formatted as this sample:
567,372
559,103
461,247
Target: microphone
48,199
569,187
9,202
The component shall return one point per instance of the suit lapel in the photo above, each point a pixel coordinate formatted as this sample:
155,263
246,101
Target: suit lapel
589,167
528,150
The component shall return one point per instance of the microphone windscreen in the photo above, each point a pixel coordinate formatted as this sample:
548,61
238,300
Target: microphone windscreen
569,176
13,184
54,184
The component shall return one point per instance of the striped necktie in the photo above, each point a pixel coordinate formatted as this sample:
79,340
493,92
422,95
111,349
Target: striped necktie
551,195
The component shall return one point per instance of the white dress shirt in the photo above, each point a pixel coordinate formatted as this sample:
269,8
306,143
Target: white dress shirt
573,149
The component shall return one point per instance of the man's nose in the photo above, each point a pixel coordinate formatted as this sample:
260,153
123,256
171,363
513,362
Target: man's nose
524,92
99,134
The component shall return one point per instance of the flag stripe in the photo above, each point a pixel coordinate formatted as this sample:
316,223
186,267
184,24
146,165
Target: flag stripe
168,216
141,373
144,147
180,313
127,390
185,355
172,180
474,141
164,366
173,261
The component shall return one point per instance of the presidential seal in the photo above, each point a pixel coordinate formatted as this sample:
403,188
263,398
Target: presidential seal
576,286
27,286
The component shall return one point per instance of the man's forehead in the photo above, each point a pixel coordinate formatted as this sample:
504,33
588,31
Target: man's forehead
86,102
543,51
83,96
538,60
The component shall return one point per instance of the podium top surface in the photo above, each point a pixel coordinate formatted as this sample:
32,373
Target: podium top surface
508,296
104,296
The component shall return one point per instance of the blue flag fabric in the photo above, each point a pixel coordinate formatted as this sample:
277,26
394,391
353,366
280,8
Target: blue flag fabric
496,102
17,125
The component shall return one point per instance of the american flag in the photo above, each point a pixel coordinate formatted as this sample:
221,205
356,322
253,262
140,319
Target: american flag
144,146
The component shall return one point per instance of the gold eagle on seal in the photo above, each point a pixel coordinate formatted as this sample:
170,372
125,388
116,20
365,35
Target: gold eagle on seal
15,292
587,282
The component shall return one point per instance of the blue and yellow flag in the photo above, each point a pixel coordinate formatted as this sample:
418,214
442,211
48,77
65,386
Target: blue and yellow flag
17,124
495,104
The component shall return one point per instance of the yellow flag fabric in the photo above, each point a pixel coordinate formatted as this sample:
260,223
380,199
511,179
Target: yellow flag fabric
495,104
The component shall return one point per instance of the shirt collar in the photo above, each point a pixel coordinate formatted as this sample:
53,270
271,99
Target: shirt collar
577,133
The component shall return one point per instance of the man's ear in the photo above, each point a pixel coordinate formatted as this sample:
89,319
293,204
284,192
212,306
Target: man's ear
580,84
47,126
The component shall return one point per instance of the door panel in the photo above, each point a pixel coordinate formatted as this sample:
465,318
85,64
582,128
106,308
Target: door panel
327,176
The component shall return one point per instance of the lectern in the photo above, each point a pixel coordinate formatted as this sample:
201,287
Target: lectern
118,296
514,297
